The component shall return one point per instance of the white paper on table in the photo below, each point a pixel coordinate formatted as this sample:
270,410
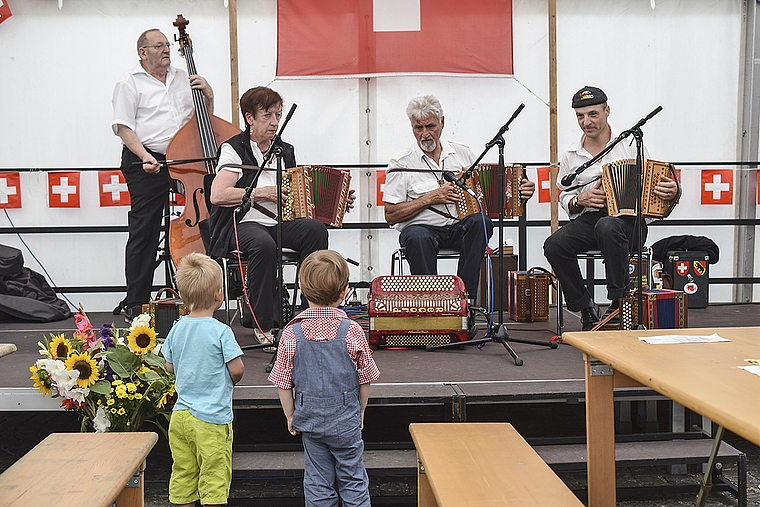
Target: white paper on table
752,369
678,338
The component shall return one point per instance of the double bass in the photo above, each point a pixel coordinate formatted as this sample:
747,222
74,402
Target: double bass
199,138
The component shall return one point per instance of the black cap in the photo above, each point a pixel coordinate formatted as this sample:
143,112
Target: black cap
588,96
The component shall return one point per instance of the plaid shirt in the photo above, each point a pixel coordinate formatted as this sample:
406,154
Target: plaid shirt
321,324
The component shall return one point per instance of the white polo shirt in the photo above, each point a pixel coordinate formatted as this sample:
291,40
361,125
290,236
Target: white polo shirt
576,155
403,186
153,110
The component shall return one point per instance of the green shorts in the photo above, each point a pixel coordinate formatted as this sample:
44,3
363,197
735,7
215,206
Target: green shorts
202,455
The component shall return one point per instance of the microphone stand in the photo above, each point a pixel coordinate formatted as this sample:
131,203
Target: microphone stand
275,149
638,135
498,332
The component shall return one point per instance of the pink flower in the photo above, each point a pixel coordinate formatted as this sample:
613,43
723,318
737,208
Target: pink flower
83,323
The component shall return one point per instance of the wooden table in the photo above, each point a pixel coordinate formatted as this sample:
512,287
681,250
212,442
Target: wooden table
483,464
701,376
76,469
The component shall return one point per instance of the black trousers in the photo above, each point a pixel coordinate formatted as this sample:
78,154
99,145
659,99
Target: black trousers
148,196
615,237
258,242
469,236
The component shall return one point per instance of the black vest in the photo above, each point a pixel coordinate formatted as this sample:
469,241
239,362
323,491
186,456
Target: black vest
222,216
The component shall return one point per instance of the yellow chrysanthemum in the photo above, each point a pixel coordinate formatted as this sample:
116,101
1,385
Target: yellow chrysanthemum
113,410
60,347
165,398
131,388
121,411
39,382
121,391
110,401
88,369
142,339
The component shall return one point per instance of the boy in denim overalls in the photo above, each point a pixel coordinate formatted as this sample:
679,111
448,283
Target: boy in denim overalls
323,373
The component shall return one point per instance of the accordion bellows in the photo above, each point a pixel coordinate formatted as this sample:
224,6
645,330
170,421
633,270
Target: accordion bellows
316,192
485,183
621,190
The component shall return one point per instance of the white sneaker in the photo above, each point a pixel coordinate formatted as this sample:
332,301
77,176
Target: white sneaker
265,338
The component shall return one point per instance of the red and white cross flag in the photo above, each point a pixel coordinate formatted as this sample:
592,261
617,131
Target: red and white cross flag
112,188
10,190
63,189
5,10
544,185
717,186
380,184
361,37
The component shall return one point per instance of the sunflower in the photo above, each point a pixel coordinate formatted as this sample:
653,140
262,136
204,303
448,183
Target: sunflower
87,367
142,339
166,398
44,385
60,347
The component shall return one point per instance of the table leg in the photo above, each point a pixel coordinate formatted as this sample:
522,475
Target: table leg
600,433
425,497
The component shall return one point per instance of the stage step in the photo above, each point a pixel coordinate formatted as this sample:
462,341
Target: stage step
290,463
572,457
561,458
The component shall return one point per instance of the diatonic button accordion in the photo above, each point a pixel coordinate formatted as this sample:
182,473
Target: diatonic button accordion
316,192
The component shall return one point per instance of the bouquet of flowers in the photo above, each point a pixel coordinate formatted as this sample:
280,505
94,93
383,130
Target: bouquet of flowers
114,382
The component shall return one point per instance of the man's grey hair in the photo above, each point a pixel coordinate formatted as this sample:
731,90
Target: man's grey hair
421,107
143,38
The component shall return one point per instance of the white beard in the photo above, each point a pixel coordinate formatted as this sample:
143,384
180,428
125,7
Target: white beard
428,146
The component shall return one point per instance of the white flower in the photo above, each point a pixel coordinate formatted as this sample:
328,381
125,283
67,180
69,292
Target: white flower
79,394
101,423
65,379
53,366
141,320
157,349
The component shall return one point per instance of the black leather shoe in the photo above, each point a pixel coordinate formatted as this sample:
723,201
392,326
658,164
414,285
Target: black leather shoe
589,317
614,321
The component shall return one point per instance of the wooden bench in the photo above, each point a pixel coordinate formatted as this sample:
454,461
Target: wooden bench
75,469
483,464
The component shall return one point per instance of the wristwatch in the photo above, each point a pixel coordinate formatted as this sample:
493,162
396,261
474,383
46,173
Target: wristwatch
575,202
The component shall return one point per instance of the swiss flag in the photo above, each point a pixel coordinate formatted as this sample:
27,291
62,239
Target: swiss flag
112,188
10,190
63,189
717,186
348,37
544,185
5,13
380,184
682,267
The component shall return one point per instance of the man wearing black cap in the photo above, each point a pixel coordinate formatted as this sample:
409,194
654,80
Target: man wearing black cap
590,227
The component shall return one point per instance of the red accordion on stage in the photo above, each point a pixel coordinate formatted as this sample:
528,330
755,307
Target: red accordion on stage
417,310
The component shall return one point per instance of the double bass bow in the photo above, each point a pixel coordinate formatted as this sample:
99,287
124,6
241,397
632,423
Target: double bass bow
198,139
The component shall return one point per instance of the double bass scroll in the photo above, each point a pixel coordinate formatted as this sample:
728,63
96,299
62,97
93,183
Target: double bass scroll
199,138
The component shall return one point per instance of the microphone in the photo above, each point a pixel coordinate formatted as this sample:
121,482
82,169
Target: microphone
452,178
568,179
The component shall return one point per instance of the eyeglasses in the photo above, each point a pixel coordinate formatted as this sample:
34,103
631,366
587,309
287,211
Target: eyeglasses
160,47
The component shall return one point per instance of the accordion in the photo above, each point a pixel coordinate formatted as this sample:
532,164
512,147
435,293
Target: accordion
621,190
417,310
529,295
663,309
485,183
316,192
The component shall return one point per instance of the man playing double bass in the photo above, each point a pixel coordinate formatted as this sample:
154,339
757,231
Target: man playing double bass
151,102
